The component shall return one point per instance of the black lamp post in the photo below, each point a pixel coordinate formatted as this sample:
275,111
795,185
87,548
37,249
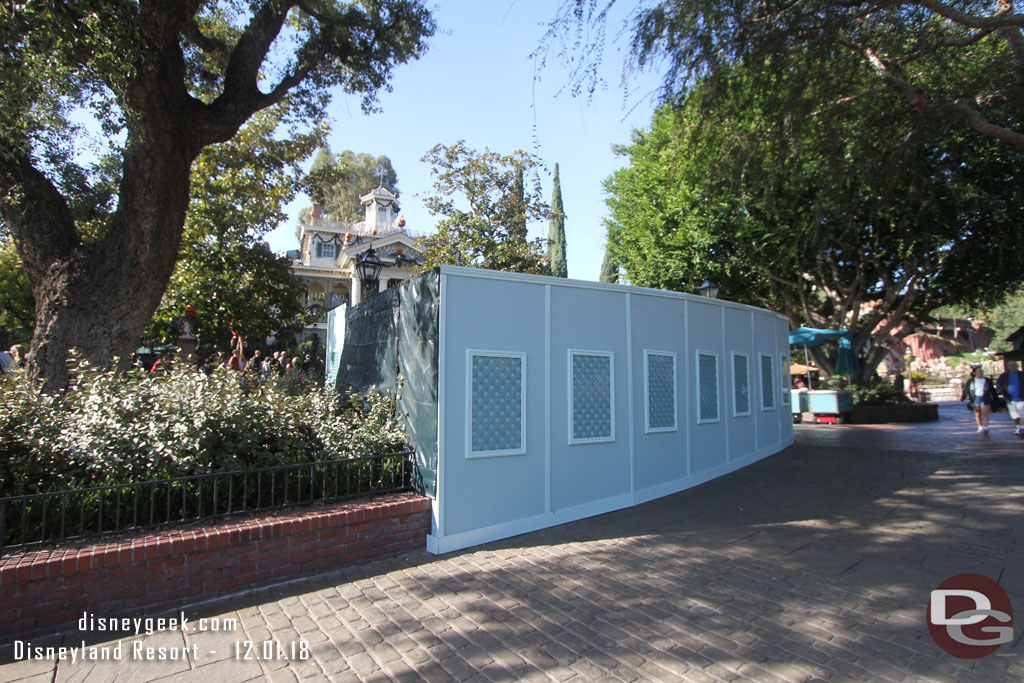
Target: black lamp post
709,289
369,266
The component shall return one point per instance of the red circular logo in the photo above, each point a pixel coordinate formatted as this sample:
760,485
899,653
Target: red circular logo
970,616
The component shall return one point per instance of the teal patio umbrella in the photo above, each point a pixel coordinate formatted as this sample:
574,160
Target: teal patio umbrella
809,338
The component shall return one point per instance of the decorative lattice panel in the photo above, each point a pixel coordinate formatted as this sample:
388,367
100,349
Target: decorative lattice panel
591,396
767,383
497,403
661,391
708,394
741,384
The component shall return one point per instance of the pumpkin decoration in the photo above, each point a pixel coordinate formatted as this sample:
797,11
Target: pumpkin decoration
401,221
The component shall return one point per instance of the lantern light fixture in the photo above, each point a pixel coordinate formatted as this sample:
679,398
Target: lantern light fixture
709,289
369,265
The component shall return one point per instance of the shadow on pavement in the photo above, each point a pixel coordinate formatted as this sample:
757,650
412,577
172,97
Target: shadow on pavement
814,563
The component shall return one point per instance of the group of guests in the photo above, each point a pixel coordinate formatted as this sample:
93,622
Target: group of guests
14,359
983,394
274,365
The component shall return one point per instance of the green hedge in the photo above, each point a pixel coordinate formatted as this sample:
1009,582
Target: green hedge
877,392
110,428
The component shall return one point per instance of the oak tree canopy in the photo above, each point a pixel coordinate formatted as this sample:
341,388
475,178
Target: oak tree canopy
106,105
937,56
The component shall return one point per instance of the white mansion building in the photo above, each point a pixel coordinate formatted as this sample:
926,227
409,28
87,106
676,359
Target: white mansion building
329,252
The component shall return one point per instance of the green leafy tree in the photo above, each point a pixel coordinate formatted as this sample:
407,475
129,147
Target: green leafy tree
223,267
17,307
518,230
337,181
556,233
1005,318
932,55
609,267
162,81
485,208
856,218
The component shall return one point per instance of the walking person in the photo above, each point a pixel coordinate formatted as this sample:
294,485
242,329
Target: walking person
981,393
1010,386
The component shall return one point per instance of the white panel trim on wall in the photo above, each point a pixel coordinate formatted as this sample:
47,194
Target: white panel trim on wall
647,393
755,382
670,487
686,394
718,388
437,508
785,381
725,386
770,393
487,353
438,545
547,399
631,412
543,280
573,440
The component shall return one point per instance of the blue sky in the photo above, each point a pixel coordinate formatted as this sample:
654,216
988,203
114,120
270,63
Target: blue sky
478,83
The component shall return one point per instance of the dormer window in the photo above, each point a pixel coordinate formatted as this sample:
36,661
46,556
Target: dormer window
324,250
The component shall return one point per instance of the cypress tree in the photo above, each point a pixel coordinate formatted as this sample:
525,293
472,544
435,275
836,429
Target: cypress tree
556,234
609,268
518,230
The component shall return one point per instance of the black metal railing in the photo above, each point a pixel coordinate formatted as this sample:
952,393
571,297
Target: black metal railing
32,520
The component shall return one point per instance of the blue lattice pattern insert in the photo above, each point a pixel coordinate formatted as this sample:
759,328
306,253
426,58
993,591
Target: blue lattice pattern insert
741,379
497,403
661,391
591,396
708,378
767,383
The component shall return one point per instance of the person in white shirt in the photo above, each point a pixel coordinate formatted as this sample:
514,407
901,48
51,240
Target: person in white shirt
981,393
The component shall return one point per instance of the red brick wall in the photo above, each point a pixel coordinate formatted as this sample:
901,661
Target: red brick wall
45,592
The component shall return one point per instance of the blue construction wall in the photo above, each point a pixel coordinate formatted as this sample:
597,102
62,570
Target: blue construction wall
562,399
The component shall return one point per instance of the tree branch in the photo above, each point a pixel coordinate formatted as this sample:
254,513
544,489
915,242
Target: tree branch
204,42
241,77
38,216
965,41
959,108
162,21
846,100
981,124
1000,19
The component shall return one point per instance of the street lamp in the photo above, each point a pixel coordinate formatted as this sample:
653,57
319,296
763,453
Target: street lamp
709,289
369,266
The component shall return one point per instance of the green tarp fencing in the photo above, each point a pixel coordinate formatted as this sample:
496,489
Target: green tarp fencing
390,342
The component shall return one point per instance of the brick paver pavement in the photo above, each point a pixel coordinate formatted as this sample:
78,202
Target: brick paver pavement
815,564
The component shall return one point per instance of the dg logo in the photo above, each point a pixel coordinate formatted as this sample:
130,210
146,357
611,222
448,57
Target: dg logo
970,616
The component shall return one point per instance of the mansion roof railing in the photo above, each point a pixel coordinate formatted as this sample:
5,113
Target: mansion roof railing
358,228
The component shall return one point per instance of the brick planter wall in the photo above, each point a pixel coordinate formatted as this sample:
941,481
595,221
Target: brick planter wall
45,592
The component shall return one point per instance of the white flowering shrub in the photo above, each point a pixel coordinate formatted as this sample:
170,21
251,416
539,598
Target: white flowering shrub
110,428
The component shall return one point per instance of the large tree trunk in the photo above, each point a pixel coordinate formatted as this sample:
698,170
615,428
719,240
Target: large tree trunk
97,297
